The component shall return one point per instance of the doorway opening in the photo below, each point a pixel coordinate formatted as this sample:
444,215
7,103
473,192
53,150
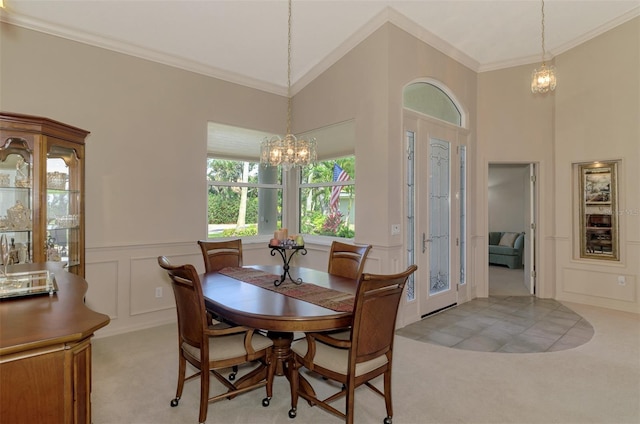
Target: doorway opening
512,224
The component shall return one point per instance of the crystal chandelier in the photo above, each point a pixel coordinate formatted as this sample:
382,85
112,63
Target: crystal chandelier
544,78
288,151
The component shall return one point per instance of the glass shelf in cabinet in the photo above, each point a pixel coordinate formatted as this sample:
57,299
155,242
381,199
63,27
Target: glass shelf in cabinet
60,191
13,230
21,191
58,227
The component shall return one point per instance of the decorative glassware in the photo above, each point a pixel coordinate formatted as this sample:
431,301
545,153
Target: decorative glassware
23,174
19,216
4,180
56,180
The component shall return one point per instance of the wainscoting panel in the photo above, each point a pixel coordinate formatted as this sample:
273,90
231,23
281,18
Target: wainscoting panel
123,279
603,285
102,294
146,278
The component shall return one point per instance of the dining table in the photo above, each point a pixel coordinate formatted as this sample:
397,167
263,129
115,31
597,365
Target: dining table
279,310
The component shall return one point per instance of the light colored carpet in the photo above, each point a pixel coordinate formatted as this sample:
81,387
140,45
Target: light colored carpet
504,281
598,382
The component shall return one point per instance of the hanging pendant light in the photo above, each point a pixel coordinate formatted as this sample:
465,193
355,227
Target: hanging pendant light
288,151
544,78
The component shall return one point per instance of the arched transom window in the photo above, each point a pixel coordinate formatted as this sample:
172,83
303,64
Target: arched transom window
431,100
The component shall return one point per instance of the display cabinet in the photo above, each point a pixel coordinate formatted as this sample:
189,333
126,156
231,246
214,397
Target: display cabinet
42,190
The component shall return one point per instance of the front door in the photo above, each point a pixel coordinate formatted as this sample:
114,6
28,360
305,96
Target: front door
435,153
436,239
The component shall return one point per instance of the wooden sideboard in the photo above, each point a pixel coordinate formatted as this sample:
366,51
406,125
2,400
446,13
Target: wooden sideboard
45,352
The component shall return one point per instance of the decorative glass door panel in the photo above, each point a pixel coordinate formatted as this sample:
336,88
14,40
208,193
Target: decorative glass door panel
439,212
63,206
462,201
16,199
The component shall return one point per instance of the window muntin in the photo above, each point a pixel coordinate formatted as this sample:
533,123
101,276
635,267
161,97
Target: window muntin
327,198
244,198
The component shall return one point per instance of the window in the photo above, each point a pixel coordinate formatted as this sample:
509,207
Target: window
244,198
427,98
327,198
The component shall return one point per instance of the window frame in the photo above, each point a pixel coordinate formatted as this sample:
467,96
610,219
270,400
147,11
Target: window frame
282,185
299,185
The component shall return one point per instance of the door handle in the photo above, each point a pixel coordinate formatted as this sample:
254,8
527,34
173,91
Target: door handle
425,240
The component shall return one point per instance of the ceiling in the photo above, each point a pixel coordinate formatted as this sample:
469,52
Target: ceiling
245,41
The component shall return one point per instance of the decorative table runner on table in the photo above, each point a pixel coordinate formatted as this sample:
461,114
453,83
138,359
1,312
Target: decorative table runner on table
321,296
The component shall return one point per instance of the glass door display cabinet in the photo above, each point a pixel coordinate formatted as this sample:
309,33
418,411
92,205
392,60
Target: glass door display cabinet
42,191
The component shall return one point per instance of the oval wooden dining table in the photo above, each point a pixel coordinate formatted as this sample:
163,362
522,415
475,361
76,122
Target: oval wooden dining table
280,315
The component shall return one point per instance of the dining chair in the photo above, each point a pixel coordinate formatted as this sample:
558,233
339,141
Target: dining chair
209,348
347,260
221,254
366,354
218,255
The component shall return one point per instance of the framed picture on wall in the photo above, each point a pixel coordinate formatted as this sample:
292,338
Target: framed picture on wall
597,207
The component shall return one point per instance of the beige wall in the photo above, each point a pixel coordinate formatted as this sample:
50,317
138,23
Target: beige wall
367,85
598,118
583,120
146,167
146,152
516,127
145,157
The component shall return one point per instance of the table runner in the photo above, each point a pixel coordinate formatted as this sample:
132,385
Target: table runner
321,296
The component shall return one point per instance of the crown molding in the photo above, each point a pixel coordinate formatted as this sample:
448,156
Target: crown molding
432,40
388,15
528,60
139,52
349,44
596,31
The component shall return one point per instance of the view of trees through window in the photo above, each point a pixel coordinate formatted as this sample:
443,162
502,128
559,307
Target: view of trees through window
327,198
245,198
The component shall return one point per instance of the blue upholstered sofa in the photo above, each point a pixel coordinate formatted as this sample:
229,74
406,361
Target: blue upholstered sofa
504,253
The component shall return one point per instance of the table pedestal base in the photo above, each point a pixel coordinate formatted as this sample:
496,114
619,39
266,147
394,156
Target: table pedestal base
282,356
281,350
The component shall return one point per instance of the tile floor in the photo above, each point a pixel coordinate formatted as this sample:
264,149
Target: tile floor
510,324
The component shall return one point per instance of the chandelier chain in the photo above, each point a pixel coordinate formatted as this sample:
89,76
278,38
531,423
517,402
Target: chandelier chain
289,100
544,78
543,31
289,151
